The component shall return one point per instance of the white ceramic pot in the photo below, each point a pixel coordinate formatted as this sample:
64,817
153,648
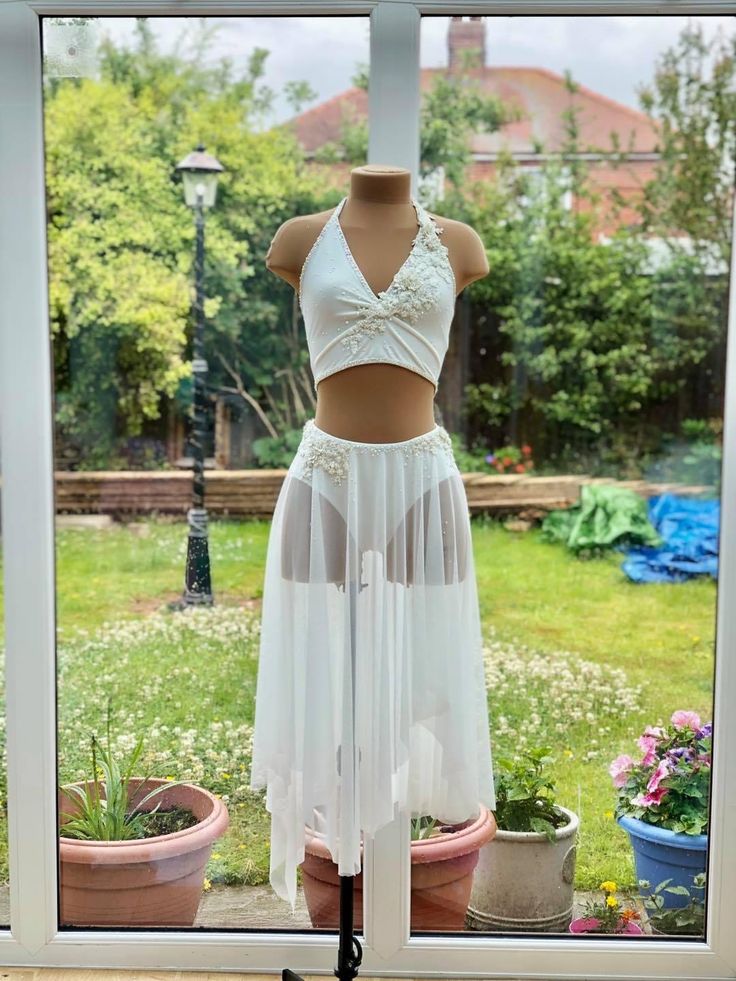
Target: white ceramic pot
523,882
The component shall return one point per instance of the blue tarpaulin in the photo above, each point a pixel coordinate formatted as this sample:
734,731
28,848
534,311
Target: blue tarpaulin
689,527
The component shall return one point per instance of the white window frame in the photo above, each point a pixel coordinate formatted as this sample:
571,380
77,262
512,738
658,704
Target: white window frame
28,540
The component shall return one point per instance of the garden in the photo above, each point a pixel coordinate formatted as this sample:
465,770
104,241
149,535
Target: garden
577,659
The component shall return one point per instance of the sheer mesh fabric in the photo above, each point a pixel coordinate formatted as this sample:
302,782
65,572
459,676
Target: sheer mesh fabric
328,556
371,691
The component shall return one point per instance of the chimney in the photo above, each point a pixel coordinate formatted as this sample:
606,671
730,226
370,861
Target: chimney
466,43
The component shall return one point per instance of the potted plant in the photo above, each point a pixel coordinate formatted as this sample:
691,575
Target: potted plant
133,850
687,919
443,857
663,801
606,917
524,878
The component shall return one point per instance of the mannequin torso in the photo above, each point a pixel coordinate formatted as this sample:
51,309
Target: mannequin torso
376,402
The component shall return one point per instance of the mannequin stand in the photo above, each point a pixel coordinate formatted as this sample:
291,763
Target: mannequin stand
350,952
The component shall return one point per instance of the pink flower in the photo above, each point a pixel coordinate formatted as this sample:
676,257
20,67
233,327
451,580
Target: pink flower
658,776
649,744
620,768
657,731
683,719
649,798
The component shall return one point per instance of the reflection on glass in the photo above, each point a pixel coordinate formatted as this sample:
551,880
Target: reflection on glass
157,824
591,367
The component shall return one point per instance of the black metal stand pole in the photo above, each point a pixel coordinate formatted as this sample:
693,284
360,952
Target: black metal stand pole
197,579
350,952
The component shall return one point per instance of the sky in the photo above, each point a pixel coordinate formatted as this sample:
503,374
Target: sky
612,55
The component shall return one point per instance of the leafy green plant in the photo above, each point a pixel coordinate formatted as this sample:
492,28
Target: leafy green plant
525,795
489,403
109,818
684,919
424,827
692,456
277,452
468,460
702,462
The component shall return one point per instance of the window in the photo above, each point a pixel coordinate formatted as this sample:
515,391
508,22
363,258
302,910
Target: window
97,346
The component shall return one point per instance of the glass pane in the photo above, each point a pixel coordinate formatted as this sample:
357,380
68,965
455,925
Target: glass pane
165,381
585,389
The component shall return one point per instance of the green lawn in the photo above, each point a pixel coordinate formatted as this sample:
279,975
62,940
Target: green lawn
576,656
660,635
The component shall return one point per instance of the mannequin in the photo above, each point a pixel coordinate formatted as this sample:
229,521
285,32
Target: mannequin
372,402
321,539
376,402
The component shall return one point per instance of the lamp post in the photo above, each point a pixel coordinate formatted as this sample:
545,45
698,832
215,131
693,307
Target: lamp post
199,173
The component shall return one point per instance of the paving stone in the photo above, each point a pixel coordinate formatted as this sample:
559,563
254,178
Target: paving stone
259,908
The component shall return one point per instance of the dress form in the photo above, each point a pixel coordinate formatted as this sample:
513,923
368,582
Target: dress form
371,519
375,402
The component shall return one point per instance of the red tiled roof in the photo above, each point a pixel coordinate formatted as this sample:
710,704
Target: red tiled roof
539,92
321,124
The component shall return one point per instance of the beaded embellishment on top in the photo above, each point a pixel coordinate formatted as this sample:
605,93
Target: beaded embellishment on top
415,287
331,453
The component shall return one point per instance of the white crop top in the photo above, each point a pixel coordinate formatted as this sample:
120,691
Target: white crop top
407,324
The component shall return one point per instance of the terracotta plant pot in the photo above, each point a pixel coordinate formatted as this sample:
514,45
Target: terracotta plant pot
524,883
441,877
146,881
590,924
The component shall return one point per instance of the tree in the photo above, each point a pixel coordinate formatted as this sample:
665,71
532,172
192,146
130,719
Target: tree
455,108
121,238
589,336
695,106
452,110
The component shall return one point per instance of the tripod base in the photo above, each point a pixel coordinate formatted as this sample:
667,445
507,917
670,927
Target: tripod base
350,952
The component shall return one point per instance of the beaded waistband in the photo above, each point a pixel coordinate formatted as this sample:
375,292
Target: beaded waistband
320,448
311,425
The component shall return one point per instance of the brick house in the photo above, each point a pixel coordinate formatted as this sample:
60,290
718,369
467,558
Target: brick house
539,93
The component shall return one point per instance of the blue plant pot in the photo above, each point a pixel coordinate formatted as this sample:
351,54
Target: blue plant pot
663,854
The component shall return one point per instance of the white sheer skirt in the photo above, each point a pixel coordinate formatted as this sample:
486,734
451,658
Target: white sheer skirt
371,692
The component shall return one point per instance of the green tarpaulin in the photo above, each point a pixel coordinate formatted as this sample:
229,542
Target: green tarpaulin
606,516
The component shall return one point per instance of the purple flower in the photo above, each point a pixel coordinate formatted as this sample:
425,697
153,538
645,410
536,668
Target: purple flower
681,759
490,458
706,731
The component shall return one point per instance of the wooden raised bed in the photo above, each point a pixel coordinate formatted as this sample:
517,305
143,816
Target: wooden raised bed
250,493
253,493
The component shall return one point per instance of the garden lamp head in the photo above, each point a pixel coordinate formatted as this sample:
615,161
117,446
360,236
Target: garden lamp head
199,173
